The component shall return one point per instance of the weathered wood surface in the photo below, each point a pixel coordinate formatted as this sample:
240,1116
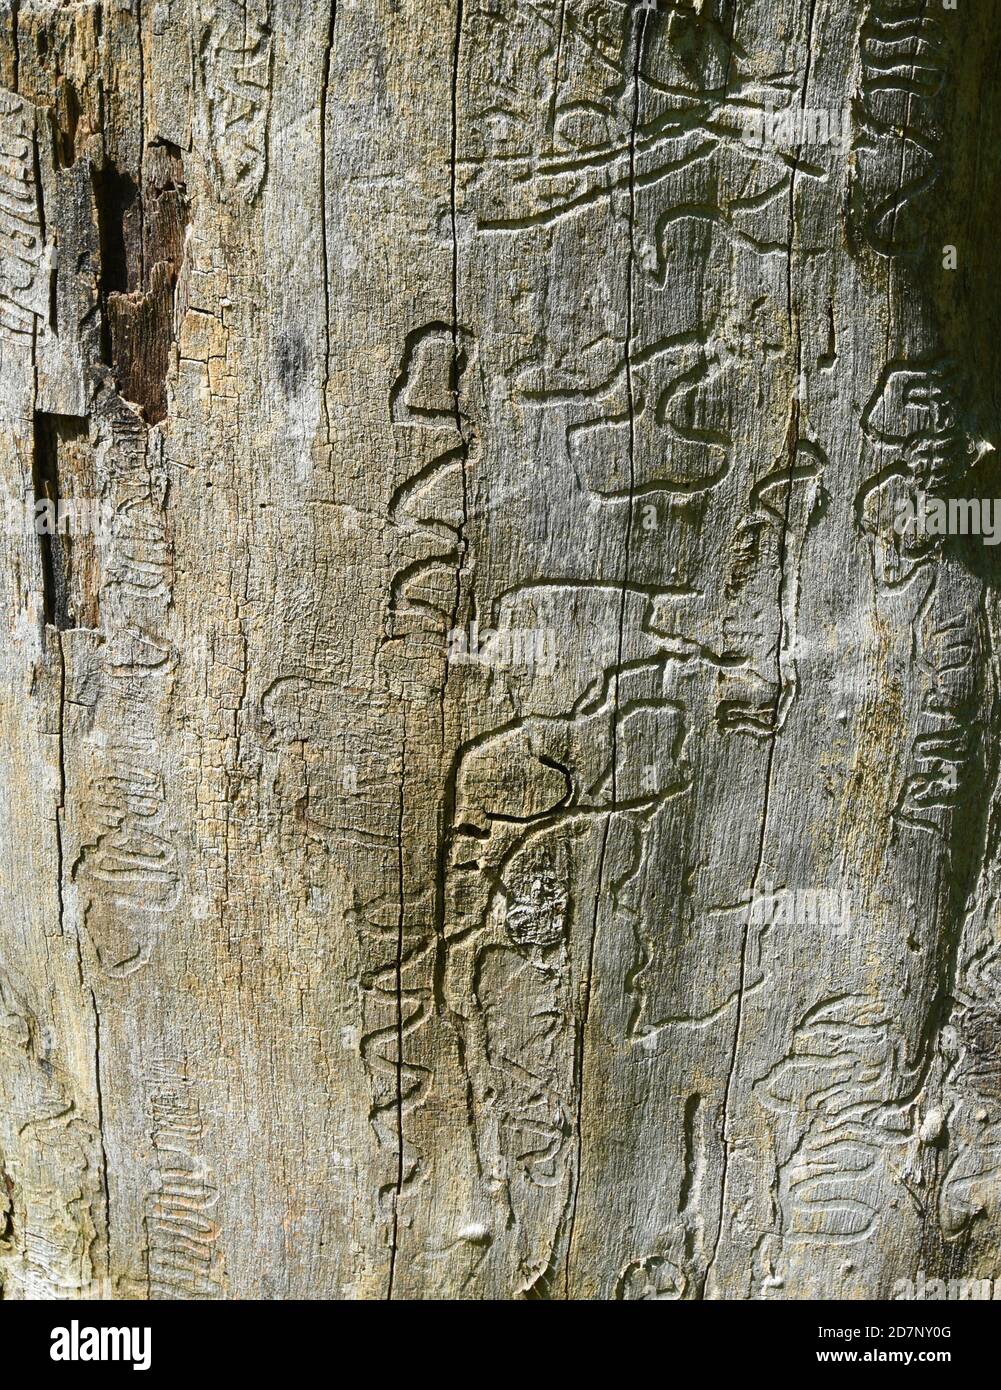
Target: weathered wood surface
335,963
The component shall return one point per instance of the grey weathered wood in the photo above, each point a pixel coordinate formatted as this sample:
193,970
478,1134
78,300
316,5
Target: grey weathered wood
336,964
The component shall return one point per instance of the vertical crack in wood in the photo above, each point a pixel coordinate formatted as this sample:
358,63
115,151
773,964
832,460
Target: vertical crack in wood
581,1042
328,49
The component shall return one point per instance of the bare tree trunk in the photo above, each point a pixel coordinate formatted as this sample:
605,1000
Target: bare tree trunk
495,802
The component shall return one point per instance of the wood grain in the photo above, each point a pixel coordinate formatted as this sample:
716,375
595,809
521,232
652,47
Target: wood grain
497,809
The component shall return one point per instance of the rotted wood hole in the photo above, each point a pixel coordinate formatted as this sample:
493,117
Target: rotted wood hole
500,648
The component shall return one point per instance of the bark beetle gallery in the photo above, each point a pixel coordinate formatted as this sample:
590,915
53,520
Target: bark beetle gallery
500,806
